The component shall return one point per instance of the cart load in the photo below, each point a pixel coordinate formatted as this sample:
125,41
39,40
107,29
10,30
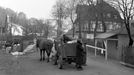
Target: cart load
68,50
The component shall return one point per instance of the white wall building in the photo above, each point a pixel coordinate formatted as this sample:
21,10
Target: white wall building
16,29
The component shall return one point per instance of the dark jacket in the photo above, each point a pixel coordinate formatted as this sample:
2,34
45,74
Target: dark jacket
66,39
79,53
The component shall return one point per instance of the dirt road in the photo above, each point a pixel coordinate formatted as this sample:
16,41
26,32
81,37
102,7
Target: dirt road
30,65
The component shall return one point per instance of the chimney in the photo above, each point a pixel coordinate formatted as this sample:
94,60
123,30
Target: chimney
99,1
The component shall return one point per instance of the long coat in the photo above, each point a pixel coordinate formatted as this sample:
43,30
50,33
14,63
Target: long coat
66,39
79,54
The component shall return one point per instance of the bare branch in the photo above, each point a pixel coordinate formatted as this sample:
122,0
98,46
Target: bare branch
131,7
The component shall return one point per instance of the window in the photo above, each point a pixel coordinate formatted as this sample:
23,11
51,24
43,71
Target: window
115,17
110,27
108,15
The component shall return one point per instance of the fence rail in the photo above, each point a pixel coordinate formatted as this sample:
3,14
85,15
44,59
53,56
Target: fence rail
98,48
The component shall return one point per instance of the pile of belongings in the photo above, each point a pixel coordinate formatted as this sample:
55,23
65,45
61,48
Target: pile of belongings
29,49
17,53
73,41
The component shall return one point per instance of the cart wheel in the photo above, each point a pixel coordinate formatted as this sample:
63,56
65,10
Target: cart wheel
55,58
55,61
69,62
60,66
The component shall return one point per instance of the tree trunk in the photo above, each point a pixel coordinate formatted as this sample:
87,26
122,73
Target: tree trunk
79,23
103,22
71,18
80,30
89,26
129,34
104,26
130,42
73,30
95,30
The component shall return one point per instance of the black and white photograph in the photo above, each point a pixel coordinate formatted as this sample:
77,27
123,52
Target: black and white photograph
66,37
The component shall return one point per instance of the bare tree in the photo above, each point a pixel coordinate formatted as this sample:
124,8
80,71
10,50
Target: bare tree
65,10
45,27
59,14
70,11
126,9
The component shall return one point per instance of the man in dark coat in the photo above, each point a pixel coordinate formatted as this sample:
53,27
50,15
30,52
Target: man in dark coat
66,39
79,55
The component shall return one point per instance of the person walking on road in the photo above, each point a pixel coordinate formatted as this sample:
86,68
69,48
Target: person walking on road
79,55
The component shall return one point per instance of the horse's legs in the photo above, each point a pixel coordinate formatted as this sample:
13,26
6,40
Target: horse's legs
43,54
48,54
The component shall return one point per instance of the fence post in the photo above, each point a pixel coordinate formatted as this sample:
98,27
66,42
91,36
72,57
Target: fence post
106,52
95,48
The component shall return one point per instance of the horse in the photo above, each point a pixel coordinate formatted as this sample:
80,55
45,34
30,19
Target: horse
44,45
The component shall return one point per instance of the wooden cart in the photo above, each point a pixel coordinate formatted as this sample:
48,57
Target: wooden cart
66,54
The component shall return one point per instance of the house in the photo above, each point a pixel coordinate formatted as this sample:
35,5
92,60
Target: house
115,42
17,30
102,14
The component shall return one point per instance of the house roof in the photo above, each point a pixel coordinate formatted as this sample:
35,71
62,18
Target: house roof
105,35
114,32
87,12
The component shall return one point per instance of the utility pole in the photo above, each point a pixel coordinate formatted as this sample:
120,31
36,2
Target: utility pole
60,17
73,30
79,23
11,29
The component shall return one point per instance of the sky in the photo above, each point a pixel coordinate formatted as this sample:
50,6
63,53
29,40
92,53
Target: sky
32,8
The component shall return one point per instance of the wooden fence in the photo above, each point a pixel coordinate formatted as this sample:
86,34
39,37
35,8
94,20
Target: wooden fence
128,54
